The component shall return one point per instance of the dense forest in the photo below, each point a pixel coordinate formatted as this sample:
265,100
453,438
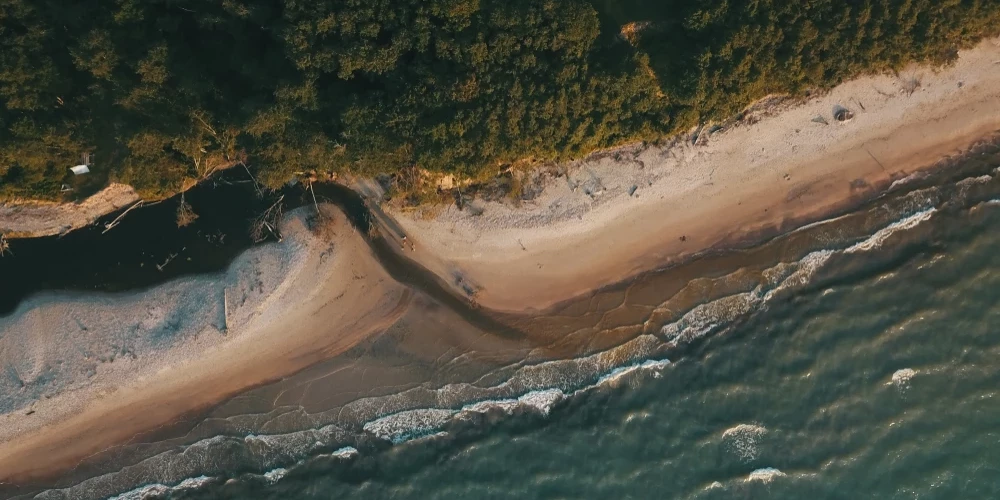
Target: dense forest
164,92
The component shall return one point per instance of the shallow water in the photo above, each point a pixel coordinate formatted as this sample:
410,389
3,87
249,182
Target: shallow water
883,384
855,358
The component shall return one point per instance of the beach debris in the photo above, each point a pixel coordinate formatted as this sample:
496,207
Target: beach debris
820,119
267,222
910,84
696,139
185,214
256,186
159,267
225,309
316,205
522,244
631,190
111,225
842,114
4,246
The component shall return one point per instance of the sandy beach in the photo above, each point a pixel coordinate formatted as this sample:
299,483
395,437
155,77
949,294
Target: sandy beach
638,208
125,365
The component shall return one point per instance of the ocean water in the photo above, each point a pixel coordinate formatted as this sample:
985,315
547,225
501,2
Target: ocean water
882,382
856,358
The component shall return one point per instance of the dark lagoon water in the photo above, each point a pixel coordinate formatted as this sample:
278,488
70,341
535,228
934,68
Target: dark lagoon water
855,358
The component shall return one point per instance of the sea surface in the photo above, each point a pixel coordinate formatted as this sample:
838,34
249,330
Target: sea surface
856,358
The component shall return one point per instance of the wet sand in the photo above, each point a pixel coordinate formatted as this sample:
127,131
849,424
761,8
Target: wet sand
335,297
635,209
776,174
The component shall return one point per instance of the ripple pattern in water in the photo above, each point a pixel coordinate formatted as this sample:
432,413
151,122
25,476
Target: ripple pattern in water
821,375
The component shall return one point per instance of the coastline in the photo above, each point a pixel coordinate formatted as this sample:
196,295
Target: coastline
562,244
332,289
636,209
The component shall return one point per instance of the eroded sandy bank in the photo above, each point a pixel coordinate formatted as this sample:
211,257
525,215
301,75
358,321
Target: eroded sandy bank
635,209
31,219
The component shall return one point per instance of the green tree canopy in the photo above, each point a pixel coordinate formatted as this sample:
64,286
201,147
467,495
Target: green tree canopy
163,92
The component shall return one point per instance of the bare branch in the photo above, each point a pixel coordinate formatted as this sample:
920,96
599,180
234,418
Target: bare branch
111,225
267,221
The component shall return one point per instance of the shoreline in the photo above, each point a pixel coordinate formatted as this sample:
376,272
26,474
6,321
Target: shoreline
607,218
583,232
154,387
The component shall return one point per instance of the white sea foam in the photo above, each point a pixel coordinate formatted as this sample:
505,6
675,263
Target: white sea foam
413,424
805,270
744,440
982,179
543,400
274,475
159,490
540,401
995,201
345,452
293,444
714,486
407,425
876,240
906,180
619,373
765,475
707,318
901,378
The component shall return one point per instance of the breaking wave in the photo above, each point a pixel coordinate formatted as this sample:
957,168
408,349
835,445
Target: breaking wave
161,490
876,240
744,440
427,413
765,475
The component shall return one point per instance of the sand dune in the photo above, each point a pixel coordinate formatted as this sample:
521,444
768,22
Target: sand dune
634,209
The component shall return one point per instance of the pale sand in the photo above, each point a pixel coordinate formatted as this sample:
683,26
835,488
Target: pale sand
585,230
31,219
290,305
312,301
